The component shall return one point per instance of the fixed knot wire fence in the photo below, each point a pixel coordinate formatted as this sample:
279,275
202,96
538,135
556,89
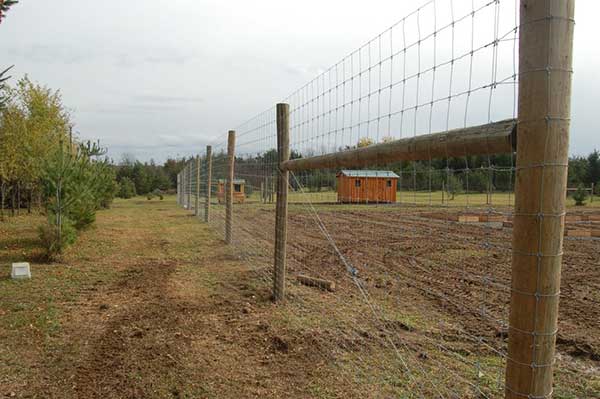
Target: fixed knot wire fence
403,182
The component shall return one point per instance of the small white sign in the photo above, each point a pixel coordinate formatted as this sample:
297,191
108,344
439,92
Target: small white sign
20,270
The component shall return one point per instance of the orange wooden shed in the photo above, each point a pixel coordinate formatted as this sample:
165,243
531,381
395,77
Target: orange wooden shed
367,186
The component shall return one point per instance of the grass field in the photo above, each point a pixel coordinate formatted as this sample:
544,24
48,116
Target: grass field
149,303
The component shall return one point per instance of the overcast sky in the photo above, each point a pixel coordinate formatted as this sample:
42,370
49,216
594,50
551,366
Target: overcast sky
164,78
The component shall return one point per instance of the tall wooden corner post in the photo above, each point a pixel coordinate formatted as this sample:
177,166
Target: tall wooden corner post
229,187
197,202
281,210
208,183
545,70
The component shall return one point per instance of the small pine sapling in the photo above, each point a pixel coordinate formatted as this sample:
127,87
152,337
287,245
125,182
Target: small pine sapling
580,196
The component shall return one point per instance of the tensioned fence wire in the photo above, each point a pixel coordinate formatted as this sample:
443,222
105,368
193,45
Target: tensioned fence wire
253,230
420,250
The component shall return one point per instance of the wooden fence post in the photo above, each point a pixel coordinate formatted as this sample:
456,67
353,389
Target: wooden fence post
179,188
184,185
489,186
592,197
179,197
229,187
545,73
190,176
208,183
197,207
187,187
443,191
281,209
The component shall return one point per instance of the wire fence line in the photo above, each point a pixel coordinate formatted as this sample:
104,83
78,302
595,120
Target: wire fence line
417,244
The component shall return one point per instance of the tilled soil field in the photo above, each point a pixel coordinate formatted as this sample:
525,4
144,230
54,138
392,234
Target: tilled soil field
454,278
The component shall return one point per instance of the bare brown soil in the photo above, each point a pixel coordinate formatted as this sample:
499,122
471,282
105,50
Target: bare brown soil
439,270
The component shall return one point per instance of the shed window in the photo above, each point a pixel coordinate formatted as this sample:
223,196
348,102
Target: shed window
237,188
356,183
389,183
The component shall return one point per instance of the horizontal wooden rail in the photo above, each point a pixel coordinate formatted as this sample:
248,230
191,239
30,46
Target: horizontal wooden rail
493,138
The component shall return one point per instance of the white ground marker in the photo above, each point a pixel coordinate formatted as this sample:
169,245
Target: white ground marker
20,270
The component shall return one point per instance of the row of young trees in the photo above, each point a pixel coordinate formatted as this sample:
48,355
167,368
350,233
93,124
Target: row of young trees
584,174
585,171
33,123
43,166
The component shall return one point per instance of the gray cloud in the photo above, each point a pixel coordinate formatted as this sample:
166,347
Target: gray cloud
127,109
150,56
82,52
304,70
168,99
44,54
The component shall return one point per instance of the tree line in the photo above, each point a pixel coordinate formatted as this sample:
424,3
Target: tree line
585,171
473,174
145,178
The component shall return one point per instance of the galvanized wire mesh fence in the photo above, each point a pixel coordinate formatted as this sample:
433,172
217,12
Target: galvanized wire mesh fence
400,184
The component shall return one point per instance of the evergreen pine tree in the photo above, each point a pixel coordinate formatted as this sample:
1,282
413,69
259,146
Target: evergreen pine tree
580,196
3,79
5,5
